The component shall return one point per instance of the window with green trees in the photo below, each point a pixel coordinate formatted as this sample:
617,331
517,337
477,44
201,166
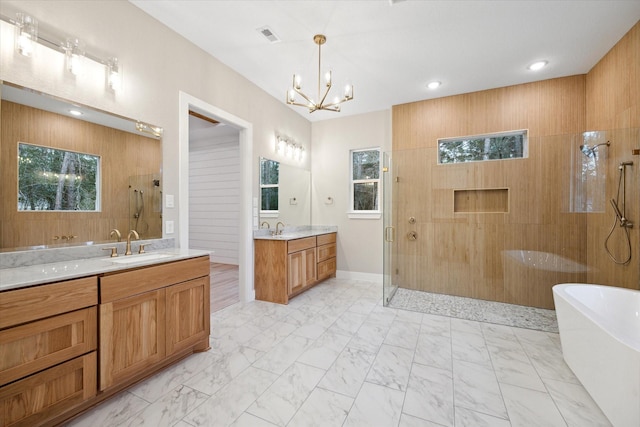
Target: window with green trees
365,180
497,146
50,179
269,185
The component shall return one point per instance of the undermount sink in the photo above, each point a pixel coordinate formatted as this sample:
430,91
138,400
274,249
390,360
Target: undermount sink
137,258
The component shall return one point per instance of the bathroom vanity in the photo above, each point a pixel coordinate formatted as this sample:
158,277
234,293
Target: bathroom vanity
74,333
291,263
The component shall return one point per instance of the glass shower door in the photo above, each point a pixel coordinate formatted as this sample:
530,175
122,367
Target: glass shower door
388,186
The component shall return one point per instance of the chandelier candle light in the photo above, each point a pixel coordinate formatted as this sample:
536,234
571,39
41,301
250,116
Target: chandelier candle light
318,39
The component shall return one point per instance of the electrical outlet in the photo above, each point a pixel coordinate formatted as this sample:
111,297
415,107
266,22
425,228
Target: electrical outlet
168,227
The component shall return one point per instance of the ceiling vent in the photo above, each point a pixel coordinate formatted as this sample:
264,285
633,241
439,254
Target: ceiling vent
269,34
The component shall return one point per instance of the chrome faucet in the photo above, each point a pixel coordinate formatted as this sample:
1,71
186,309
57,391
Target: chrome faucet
136,235
278,225
265,222
117,233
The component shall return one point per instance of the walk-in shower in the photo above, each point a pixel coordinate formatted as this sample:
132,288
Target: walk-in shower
508,230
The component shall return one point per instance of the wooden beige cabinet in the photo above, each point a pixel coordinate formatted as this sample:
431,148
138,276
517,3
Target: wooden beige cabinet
48,341
285,268
149,315
130,324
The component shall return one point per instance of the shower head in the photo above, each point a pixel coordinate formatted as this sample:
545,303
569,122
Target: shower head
591,151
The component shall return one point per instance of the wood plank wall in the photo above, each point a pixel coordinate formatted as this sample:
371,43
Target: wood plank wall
613,102
214,197
484,255
123,154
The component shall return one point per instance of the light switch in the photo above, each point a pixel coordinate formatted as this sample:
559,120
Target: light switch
168,227
169,201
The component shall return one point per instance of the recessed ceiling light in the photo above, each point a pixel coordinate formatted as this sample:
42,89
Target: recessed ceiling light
537,65
75,112
434,85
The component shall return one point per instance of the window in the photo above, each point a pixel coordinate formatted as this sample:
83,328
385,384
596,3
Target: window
477,148
50,179
269,185
365,183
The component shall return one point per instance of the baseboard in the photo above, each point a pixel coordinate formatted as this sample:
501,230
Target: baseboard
355,275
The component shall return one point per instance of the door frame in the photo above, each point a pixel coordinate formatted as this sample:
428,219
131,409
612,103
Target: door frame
245,247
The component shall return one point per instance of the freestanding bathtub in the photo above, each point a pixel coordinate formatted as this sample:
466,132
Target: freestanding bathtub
600,335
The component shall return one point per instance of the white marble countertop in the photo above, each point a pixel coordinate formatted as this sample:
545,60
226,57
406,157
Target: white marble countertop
294,233
19,277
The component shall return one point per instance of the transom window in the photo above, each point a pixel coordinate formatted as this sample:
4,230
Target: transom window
477,148
365,180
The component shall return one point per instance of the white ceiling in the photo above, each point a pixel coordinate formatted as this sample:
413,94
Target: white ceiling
389,50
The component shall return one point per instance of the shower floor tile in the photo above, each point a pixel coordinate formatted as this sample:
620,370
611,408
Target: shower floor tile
477,310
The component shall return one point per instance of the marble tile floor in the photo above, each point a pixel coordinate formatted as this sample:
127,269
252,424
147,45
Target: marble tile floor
475,309
336,357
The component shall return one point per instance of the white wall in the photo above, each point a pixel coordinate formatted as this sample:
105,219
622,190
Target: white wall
359,240
214,196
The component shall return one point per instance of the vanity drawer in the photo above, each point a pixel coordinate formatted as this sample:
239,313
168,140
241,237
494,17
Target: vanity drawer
24,305
35,400
133,282
38,345
326,268
298,245
325,239
326,251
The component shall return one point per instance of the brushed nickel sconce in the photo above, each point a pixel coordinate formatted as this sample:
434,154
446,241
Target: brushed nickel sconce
27,35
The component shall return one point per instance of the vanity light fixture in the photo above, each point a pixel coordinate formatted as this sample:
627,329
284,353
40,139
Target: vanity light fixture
146,128
319,103
284,147
539,65
26,34
73,56
434,85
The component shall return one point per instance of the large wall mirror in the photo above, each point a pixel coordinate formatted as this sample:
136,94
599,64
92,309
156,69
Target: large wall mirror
285,194
70,180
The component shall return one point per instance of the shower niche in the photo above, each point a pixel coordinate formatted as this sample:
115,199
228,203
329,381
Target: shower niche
145,205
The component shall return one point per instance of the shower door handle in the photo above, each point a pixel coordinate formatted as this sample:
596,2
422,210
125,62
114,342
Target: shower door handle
389,234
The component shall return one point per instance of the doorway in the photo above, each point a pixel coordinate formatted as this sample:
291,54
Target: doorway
214,202
244,131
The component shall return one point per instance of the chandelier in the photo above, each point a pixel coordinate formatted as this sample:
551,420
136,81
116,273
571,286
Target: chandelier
312,105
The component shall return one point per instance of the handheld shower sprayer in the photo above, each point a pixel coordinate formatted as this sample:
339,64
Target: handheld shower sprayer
620,218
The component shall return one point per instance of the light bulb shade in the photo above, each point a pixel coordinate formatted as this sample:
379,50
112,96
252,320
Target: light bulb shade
327,78
26,34
73,56
348,92
113,74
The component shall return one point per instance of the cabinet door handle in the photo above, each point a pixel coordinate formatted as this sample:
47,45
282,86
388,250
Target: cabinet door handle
389,234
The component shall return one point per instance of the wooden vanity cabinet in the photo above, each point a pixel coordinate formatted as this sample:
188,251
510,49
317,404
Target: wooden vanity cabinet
48,342
285,268
130,324
151,314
